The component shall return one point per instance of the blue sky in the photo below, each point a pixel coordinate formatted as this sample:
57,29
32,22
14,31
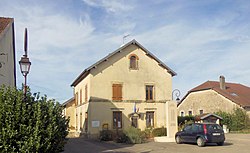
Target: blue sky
198,39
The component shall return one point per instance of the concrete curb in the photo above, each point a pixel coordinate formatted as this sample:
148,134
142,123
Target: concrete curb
164,139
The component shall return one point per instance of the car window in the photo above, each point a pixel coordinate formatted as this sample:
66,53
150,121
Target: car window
195,127
200,127
212,127
187,128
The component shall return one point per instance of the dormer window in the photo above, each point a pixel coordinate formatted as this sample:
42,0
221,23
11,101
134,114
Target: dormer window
234,94
133,64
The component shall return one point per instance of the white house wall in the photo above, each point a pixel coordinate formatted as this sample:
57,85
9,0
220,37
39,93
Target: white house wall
7,66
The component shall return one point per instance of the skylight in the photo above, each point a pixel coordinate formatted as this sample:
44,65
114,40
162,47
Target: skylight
234,94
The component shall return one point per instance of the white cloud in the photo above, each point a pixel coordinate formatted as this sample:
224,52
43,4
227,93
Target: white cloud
199,54
195,42
111,6
54,41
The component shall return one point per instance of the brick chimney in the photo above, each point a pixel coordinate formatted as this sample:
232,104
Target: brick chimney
222,83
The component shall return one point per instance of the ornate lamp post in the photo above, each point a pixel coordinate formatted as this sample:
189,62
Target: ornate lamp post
177,94
24,62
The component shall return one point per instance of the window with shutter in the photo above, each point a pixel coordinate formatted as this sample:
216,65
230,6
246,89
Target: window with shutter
80,96
86,93
133,62
86,121
117,91
81,125
190,113
201,111
117,119
149,92
76,122
76,99
182,113
149,119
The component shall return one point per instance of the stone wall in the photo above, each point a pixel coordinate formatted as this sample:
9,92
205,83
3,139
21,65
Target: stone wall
208,100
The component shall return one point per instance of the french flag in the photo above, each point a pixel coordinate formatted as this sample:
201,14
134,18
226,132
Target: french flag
135,108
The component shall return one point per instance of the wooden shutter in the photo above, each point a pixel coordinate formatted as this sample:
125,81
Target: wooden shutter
76,99
114,86
81,96
117,91
86,93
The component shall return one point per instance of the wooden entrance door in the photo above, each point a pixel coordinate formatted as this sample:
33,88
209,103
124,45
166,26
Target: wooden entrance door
134,121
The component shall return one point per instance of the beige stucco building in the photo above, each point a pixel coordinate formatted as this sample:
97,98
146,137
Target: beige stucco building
7,52
214,96
69,111
129,87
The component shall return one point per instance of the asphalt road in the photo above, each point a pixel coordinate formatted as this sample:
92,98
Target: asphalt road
235,143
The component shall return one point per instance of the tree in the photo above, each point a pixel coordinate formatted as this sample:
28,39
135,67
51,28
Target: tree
33,124
236,121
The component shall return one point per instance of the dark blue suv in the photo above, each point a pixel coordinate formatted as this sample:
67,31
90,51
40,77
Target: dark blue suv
201,133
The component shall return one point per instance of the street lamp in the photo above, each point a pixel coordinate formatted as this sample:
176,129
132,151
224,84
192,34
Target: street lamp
177,94
24,62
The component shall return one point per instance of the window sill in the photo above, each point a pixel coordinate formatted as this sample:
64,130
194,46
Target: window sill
150,101
117,100
117,128
136,69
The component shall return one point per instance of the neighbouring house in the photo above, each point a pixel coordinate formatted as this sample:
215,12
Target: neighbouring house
214,96
128,87
7,52
69,111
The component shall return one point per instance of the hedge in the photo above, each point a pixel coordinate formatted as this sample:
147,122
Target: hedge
31,124
235,121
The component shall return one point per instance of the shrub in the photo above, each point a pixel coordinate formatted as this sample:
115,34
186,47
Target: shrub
105,135
240,120
157,132
32,124
121,137
134,135
236,121
226,118
183,119
148,132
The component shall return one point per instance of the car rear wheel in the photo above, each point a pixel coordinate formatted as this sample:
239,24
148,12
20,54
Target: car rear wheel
220,143
178,139
200,142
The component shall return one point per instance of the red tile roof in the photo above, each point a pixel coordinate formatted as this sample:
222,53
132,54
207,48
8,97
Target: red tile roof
4,22
235,92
